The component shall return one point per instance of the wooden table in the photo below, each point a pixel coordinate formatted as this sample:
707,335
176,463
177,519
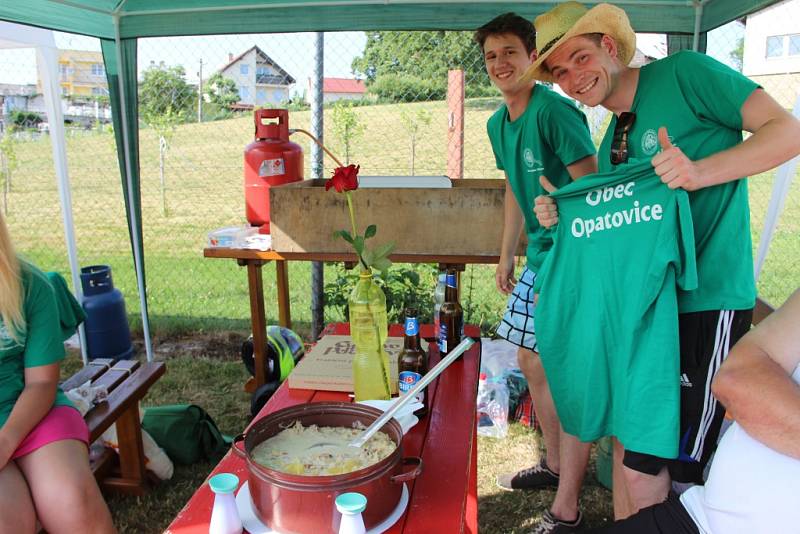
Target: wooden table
444,498
254,260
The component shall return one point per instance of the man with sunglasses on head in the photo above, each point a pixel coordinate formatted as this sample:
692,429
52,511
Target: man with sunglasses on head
686,114
534,132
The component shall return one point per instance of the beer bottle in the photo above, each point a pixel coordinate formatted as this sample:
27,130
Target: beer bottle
451,318
412,363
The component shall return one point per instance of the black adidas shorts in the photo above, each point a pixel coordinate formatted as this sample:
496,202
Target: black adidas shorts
705,339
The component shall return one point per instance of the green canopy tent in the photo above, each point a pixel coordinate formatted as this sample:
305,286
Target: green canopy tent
119,23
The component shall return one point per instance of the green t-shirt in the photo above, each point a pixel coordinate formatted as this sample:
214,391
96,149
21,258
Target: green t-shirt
607,317
699,101
40,344
551,134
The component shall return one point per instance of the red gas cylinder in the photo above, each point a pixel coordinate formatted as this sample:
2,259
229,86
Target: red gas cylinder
271,159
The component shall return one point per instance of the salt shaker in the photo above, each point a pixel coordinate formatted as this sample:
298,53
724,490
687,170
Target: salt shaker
224,516
350,505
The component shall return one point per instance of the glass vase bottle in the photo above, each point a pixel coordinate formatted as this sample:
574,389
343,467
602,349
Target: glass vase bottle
369,328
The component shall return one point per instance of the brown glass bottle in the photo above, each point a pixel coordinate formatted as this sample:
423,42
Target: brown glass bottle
451,318
412,362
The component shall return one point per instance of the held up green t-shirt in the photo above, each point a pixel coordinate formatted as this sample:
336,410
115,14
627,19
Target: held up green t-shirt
40,344
699,101
607,316
551,134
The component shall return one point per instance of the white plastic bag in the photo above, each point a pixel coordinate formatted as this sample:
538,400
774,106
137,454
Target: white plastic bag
155,459
497,357
492,407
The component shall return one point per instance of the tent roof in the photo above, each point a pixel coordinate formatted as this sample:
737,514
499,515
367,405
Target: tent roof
156,18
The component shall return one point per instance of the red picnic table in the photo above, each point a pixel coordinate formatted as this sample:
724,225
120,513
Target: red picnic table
444,498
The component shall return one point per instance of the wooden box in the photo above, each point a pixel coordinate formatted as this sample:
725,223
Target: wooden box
466,219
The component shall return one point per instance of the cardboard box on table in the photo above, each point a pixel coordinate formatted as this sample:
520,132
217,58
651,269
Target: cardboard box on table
328,365
463,220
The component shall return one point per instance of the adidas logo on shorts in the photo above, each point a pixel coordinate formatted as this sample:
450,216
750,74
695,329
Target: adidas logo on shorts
685,382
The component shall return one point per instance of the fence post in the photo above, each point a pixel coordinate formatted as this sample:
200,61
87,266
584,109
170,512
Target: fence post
317,267
455,123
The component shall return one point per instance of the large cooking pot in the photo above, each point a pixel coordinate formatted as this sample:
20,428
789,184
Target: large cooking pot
297,504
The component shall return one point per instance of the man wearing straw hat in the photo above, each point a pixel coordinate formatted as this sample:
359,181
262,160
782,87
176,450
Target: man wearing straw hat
535,131
685,113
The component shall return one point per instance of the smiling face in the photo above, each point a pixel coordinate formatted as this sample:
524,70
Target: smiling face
506,60
586,68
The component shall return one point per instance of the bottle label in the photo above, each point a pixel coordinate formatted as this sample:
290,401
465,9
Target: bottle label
412,326
451,280
407,380
442,337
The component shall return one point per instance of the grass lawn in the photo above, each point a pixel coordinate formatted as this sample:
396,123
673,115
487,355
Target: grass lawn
204,191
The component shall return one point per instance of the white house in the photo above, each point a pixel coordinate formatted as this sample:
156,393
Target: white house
259,79
334,89
772,50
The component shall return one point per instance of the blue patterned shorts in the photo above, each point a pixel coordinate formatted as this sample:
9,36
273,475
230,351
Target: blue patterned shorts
517,323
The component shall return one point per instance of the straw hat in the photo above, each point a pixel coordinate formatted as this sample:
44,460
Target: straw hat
569,19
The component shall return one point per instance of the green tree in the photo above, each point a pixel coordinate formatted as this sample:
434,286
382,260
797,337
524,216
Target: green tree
737,54
420,59
346,127
164,90
8,162
222,91
164,126
165,100
412,122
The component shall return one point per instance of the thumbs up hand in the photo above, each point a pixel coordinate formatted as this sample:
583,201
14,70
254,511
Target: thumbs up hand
544,206
674,168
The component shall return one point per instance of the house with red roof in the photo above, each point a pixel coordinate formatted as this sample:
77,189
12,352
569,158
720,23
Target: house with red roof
334,89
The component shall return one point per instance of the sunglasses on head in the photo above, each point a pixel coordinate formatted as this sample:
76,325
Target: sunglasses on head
619,143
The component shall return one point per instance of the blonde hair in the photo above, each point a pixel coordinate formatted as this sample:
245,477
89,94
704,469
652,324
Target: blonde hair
10,285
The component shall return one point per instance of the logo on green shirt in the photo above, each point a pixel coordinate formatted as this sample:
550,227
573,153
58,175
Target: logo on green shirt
531,161
650,142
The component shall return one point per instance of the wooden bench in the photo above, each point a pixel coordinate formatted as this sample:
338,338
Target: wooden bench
127,381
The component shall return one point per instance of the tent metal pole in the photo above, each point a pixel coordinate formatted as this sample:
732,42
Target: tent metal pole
47,64
698,19
780,190
137,253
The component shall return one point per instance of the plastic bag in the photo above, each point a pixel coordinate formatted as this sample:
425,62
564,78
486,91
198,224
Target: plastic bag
492,407
498,360
155,459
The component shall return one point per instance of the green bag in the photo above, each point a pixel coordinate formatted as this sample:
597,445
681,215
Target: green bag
185,432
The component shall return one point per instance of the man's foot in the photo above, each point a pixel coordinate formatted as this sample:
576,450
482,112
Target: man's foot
536,477
551,525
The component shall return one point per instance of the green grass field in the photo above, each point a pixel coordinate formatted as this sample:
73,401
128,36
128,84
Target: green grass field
204,191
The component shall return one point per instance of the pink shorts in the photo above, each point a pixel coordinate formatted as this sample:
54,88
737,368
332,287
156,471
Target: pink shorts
61,422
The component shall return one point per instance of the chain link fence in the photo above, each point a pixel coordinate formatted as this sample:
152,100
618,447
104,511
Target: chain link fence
385,109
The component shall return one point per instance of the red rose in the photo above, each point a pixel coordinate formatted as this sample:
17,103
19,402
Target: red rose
344,179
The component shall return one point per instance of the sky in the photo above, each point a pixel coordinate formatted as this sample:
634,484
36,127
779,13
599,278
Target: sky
293,52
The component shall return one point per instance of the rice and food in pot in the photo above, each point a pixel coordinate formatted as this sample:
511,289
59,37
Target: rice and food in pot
321,450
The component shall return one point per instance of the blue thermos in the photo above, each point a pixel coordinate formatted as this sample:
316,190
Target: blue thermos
107,331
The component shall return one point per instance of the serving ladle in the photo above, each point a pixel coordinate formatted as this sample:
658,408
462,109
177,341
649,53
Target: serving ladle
402,400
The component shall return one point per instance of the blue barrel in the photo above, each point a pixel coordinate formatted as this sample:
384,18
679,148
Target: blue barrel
107,331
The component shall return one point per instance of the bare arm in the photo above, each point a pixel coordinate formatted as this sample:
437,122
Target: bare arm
544,206
755,383
582,167
775,139
513,223
32,405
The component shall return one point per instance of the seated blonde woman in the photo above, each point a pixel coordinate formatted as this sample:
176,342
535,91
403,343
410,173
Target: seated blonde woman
44,461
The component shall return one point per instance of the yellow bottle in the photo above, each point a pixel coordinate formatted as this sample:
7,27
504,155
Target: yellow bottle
369,328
